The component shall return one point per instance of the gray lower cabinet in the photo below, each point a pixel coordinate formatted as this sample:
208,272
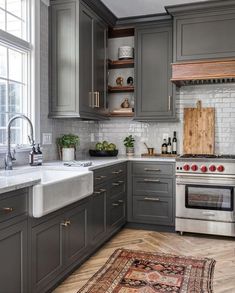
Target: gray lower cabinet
99,215
204,31
77,61
57,244
47,253
155,99
152,193
13,242
14,257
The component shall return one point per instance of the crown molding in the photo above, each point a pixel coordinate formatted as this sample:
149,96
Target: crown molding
102,11
142,19
215,5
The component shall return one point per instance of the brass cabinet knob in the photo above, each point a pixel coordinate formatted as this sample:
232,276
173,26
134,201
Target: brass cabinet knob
8,210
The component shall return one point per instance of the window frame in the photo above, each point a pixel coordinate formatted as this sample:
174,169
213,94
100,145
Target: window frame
32,48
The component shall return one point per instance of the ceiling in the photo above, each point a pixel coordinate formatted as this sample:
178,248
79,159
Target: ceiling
128,8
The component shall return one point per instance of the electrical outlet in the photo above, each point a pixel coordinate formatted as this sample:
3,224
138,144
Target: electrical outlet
46,138
92,137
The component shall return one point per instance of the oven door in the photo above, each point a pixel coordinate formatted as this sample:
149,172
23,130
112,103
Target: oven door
205,198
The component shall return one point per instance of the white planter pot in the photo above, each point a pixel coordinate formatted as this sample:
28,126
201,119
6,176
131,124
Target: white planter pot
68,154
130,151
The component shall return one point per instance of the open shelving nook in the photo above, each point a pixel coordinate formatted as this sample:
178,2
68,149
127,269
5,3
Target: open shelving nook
120,68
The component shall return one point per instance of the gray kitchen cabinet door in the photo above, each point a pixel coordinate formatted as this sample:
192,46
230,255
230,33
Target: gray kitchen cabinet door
86,60
206,35
47,252
151,210
76,234
116,212
98,215
13,258
154,90
64,59
100,64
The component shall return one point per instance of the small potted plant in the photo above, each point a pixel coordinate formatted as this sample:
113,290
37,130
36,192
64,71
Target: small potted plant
129,144
67,145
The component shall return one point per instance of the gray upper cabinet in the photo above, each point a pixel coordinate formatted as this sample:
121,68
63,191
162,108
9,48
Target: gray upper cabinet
154,91
203,31
64,59
78,61
92,78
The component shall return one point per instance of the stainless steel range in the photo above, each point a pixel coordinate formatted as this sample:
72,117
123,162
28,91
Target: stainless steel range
205,188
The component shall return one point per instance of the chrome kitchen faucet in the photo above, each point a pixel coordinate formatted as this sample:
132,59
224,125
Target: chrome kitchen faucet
9,157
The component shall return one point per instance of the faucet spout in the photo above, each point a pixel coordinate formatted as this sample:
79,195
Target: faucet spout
9,158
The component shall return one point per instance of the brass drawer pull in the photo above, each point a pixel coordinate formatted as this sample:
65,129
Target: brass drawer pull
152,180
100,191
121,182
116,184
121,201
115,204
151,170
66,223
100,177
117,172
8,210
151,199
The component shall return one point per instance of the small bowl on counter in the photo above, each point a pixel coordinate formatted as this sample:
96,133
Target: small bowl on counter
98,153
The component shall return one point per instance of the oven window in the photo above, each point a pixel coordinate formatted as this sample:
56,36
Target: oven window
209,198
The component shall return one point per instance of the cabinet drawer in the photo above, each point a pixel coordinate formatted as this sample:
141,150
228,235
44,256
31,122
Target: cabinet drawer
12,205
118,170
153,169
118,186
101,176
153,186
117,212
153,210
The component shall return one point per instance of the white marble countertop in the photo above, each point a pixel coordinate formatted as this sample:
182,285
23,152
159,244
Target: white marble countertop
26,176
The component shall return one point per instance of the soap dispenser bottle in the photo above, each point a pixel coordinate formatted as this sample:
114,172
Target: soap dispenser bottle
32,155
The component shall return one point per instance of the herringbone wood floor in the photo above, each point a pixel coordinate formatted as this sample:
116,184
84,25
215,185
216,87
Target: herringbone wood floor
221,249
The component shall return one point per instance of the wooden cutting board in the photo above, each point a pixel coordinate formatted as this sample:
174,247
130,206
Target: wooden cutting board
199,130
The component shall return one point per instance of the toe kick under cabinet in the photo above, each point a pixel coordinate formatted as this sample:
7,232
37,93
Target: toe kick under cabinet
151,199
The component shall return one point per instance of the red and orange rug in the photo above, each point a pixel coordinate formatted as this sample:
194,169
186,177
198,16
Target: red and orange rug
129,271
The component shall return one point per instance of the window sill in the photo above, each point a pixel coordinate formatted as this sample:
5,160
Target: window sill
18,149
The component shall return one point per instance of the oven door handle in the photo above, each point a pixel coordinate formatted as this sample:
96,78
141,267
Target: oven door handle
211,214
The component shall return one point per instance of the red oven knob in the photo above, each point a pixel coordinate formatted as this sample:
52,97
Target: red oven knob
220,168
186,167
203,169
194,168
212,168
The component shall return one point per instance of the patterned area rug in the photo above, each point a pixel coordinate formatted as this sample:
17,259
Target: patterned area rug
129,271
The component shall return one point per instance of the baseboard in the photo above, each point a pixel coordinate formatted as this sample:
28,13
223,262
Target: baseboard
151,227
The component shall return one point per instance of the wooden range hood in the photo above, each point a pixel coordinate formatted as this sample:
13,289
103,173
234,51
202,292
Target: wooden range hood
203,72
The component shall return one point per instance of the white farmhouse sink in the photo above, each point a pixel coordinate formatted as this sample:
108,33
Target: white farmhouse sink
58,189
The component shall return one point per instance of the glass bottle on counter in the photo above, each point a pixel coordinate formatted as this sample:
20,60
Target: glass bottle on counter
174,144
169,146
164,147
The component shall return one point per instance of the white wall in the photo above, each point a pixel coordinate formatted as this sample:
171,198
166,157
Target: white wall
222,97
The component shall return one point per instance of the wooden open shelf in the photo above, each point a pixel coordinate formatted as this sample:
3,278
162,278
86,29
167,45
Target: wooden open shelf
111,114
121,64
120,89
120,33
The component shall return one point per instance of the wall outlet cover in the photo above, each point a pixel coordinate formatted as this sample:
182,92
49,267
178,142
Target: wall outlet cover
47,138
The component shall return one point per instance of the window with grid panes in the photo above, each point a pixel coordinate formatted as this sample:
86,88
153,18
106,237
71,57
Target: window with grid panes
15,68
